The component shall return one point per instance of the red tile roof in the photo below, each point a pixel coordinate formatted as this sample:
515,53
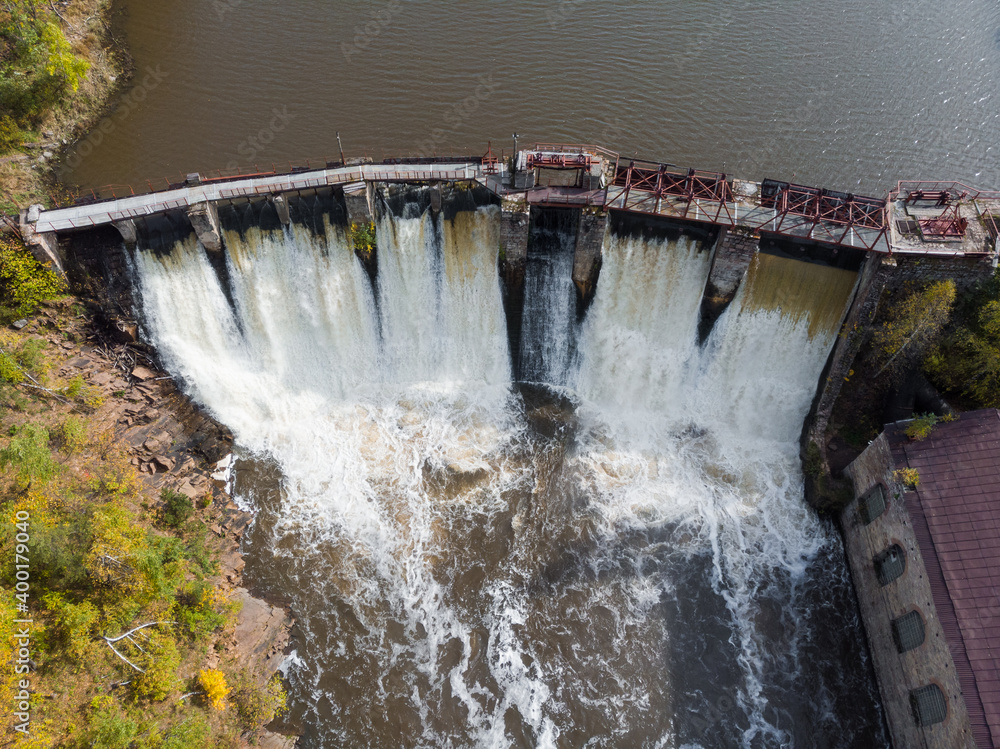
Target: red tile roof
956,519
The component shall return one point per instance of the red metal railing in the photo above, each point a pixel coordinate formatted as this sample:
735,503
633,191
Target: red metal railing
954,190
790,210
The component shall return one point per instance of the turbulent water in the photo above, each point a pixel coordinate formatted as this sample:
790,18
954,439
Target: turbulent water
620,559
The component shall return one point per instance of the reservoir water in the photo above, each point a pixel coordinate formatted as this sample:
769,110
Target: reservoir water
851,95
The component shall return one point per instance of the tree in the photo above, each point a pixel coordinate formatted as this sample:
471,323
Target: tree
913,326
969,360
213,682
24,282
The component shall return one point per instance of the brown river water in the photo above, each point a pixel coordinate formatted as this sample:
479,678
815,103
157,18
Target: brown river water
852,95
596,540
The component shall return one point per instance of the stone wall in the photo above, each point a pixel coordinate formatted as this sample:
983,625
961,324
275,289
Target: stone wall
97,268
931,662
734,250
359,205
964,271
881,273
515,228
876,271
587,258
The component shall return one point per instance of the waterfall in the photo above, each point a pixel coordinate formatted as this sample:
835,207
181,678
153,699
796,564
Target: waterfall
623,561
706,437
548,324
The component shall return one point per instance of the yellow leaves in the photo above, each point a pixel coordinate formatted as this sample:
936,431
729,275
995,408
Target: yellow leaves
915,323
908,477
61,60
116,539
114,476
24,282
213,682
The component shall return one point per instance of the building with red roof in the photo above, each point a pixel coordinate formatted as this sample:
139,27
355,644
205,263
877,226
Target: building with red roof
923,542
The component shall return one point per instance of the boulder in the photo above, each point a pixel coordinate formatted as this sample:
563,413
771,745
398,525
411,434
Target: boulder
142,373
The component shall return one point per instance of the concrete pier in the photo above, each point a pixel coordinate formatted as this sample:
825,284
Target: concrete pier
281,206
734,250
43,245
358,201
587,260
515,226
204,218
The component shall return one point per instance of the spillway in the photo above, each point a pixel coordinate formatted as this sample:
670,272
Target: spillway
616,554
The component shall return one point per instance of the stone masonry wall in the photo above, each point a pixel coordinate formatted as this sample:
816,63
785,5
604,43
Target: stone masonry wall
587,258
931,662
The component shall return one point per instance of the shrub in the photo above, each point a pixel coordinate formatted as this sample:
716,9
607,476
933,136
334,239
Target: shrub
201,609
177,508
58,550
10,134
110,728
257,706
363,238
19,357
74,623
213,682
907,477
920,427
115,476
24,282
78,390
913,328
29,455
161,663
193,733
71,435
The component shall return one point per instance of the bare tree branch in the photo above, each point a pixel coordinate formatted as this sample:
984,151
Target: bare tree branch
131,631
127,636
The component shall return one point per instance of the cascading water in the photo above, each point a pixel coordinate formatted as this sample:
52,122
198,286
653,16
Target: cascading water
548,324
474,564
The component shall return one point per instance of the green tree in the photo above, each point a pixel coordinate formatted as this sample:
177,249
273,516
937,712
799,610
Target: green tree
24,282
969,361
29,455
160,675
913,327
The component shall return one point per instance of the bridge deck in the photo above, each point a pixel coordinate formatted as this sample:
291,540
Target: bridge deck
105,212
929,218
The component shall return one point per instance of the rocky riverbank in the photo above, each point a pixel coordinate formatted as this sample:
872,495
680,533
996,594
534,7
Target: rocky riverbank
173,445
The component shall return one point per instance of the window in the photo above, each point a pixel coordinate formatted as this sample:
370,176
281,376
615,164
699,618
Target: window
872,504
929,705
890,564
908,631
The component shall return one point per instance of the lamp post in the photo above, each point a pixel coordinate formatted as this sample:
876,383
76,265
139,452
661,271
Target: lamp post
341,147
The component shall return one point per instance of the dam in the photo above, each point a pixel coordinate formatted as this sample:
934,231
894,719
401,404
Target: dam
528,472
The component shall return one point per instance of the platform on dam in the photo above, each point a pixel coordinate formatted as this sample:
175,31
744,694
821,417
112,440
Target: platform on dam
945,219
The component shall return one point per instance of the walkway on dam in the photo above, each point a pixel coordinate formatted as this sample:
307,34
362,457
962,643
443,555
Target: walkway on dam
134,206
926,218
